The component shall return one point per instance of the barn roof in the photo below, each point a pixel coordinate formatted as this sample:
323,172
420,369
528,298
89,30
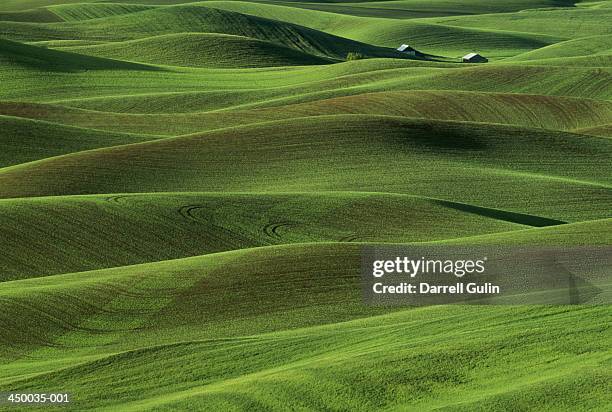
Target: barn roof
405,47
470,55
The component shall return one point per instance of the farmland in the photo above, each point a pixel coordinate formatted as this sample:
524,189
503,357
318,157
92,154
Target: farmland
186,188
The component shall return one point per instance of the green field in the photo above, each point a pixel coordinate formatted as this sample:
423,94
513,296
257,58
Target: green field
186,188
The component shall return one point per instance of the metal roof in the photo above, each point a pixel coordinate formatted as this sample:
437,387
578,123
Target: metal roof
469,56
404,47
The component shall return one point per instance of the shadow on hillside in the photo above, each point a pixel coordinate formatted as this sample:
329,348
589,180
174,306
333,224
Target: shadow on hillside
40,58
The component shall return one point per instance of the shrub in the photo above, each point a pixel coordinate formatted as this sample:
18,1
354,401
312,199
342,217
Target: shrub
354,56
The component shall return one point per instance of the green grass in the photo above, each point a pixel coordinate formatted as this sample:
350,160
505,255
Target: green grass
583,47
162,90
36,15
435,39
303,29
579,22
203,50
19,56
522,170
16,5
57,237
603,130
186,189
188,18
20,5
25,140
593,232
88,11
554,113
303,327
407,9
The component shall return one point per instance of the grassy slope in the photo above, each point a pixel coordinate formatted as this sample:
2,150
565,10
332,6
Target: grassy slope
19,56
580,22
202,50
400,360
406,9
513,109
603,130
35,15
593,232
284,325
26,140
88,11
256,308
351,153
588,46
261,21
596,61
434,39
193,89
44,236
440,6
497,35
20,5
190,18
16,5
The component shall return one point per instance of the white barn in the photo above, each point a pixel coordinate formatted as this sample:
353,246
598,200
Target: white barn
406,49
474,58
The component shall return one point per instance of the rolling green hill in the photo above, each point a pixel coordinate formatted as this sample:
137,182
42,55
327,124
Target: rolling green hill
603,130
14,55
406,9
35,15
583,47
187,189
572,24
187,18
25,140
435,39
548,112
296,326
203,50
401,152
20,5
189,90
158,227
88,11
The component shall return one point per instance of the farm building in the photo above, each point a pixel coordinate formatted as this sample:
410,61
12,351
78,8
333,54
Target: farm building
410,51
474,58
